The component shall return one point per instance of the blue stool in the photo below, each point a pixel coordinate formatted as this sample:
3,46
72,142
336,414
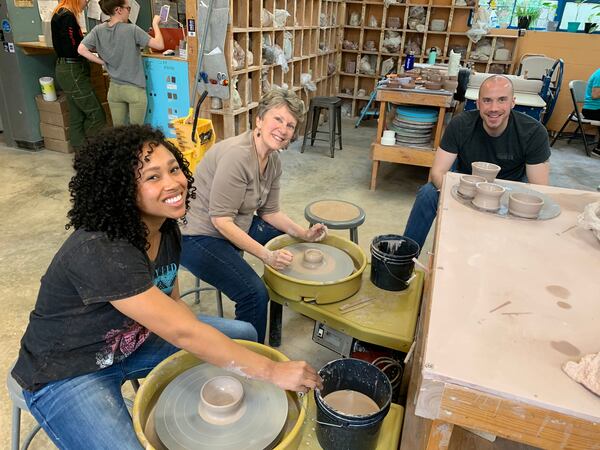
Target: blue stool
18,404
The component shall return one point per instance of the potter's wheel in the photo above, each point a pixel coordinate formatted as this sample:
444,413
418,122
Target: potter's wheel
180,427
550,210
318,262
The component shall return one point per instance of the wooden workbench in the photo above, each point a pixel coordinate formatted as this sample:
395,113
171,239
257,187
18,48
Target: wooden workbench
401,154
510,302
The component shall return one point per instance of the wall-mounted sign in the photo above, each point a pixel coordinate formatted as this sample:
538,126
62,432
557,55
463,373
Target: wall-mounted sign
191,27
24,3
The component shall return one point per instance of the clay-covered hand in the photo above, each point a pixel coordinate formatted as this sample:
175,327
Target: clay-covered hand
316,233
296,376
155,21
278,259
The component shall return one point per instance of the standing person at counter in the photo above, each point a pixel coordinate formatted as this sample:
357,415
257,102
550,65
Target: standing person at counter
591,104
108,309
493,133
118,44
86,116
237,208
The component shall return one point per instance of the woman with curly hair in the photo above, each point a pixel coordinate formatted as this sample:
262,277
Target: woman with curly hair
108,309
237,208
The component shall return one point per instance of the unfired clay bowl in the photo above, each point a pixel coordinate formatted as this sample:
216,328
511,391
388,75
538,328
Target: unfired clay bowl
408,85
525,205
467,187
488,196
312,258
221,400
433,85
485,170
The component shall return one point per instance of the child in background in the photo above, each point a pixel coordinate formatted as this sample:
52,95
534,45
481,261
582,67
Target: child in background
118,44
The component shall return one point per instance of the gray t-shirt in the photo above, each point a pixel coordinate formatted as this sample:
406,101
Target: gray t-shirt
119,47
228,184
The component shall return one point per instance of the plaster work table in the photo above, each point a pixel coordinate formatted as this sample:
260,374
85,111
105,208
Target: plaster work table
511,300
402,154
389,319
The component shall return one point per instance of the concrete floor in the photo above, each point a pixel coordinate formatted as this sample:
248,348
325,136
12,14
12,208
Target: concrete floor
34,201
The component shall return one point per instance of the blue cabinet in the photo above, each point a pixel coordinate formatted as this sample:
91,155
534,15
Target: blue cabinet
168,92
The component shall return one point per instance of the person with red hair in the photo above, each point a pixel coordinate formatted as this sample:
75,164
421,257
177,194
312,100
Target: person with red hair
86,116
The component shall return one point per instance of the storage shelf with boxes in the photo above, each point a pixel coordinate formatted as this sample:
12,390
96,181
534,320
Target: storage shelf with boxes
54,123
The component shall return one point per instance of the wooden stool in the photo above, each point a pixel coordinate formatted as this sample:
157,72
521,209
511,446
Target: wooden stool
334,105
337,215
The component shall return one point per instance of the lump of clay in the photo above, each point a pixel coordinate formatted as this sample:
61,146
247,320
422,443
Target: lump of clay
586,371
355,19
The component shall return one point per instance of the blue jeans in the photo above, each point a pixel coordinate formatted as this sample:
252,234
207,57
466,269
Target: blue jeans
221,264
88,411
422,214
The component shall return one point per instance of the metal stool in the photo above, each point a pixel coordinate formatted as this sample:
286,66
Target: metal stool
18,403
337,215
334,105
196,291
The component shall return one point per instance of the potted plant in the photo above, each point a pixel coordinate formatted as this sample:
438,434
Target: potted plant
574,26
591,25
550,8
527,15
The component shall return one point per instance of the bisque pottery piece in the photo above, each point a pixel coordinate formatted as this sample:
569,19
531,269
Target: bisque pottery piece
525,205
221,400
408,85
488,196
485,170
468,185
433,85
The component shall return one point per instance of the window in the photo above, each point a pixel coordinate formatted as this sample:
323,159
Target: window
563,11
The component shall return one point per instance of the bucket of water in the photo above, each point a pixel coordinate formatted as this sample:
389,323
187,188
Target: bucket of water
337,429
48,89
392,261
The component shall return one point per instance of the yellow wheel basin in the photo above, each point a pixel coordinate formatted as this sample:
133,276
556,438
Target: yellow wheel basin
170,368
320,292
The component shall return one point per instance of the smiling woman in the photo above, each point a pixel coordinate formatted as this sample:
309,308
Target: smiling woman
108,308
237,208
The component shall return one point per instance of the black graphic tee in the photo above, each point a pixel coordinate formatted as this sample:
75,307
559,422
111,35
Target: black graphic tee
73,329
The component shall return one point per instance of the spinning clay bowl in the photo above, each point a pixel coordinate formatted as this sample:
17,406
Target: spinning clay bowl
159,378
221,400
322,292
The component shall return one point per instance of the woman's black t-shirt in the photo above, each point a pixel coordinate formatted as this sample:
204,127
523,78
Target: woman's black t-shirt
73,329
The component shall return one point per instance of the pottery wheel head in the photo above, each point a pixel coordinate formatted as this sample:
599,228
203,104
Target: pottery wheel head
318,262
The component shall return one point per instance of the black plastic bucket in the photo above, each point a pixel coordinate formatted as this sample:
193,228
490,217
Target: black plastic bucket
392,261
337,431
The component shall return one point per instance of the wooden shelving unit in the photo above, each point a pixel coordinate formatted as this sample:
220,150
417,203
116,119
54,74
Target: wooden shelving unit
456,19
314,29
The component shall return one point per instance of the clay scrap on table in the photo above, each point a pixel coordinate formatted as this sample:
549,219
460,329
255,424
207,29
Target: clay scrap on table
586,371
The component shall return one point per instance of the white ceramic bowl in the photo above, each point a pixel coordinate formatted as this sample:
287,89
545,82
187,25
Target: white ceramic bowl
525,205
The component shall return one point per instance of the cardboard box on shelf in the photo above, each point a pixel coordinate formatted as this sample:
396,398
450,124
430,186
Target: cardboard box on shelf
57,145
58,119
58,133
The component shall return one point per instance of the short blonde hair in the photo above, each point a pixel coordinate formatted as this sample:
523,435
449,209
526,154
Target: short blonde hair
277,97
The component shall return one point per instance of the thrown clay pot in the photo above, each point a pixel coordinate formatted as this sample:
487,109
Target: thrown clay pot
433,85
408,85
525,205
450,85
485,170
221,400
488,196
312,258
468,185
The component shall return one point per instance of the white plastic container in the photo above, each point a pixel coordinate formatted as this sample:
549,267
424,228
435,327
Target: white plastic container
48,89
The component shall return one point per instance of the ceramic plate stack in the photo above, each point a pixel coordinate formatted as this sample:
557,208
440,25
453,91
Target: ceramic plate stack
414,125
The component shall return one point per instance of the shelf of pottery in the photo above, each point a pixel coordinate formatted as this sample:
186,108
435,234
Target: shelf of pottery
375,33
289,43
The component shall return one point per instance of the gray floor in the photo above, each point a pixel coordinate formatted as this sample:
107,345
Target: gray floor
34,201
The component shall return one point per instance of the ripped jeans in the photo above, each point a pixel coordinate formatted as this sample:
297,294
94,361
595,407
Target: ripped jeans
221,264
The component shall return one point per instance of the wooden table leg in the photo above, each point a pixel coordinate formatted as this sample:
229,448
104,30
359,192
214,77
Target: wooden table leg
439,435
374,169
438,128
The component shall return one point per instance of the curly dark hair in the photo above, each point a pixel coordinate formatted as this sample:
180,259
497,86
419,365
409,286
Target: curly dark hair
104,187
